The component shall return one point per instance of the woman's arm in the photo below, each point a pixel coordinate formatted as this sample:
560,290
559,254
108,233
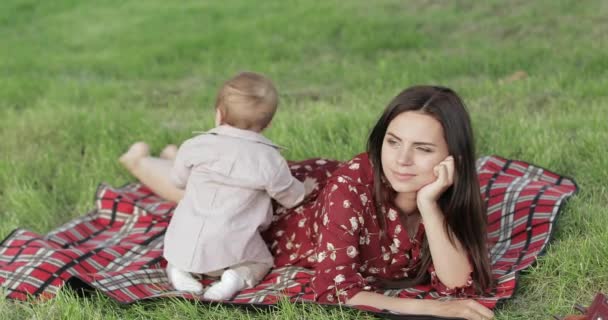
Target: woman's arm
468,309
450,259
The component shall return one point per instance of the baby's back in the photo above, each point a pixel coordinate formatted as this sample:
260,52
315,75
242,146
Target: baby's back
228,179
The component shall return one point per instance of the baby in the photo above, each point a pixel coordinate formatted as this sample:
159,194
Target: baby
230,174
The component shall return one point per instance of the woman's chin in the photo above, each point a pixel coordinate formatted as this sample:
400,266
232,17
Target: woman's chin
401,187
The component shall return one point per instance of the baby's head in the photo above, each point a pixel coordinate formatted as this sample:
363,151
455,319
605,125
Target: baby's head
247,101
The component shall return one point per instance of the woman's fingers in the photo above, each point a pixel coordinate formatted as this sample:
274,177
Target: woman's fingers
443,174
449,163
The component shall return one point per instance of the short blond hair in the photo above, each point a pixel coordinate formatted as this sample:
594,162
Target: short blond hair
247,101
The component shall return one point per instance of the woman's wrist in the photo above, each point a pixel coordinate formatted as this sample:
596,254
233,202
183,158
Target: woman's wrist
427,207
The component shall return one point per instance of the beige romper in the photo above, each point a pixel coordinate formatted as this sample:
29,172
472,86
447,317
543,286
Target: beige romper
230,176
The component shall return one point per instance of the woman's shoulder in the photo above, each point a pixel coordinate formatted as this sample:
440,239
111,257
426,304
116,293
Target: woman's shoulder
356,171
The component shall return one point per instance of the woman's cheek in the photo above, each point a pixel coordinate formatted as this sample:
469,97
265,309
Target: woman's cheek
426,178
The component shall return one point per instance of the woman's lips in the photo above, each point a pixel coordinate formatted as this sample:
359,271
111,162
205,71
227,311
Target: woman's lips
403,176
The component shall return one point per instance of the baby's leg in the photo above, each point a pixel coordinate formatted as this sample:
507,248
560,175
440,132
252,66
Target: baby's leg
169,152
183,281
252,272
152,172
237,278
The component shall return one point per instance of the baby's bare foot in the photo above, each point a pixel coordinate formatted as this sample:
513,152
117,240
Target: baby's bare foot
169,152
136,152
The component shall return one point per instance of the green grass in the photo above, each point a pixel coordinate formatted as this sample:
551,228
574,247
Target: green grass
81,80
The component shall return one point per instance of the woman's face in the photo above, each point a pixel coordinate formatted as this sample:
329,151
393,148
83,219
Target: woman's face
412,146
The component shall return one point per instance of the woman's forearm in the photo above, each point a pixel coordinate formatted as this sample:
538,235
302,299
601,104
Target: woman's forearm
401,305
450,260
467,309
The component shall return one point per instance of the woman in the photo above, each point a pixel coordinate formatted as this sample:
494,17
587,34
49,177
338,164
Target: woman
408,211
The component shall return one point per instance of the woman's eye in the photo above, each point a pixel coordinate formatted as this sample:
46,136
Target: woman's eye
391,142
427,150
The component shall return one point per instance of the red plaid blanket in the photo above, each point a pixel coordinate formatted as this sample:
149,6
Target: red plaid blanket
117,247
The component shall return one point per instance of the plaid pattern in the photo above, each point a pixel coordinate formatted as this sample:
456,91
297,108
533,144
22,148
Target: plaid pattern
117,247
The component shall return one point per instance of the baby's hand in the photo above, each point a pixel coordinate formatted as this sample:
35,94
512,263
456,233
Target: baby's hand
310,185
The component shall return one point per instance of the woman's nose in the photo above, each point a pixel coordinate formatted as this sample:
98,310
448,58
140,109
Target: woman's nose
404,157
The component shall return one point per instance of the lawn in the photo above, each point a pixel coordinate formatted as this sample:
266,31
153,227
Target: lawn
81,80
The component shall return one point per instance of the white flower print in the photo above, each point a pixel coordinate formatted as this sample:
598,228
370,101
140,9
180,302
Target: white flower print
339,268
325,220
398,229
320,162
351,251
392,215
394,248
354,224
293,256
365,238
302,223
339,278
386,256
352,189
330,297
354,166
334,188
396,242
341,180
279,233
289,244
346,204
308,168
321,256
332,249
295,167
374,270
312,258
315,227
363,198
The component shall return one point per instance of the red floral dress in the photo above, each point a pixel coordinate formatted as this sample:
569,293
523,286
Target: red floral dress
336,233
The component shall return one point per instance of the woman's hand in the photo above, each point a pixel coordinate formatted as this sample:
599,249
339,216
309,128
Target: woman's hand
468,309
444,173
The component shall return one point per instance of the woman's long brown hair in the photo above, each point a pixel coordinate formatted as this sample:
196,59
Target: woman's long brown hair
461,204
